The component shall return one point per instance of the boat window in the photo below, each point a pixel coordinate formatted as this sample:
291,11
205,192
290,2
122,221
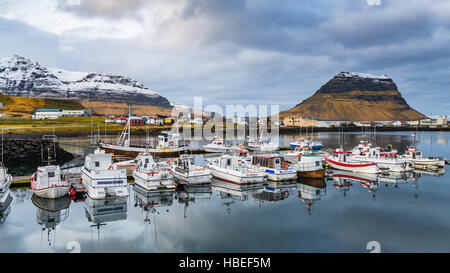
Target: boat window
97,163
277,161
317,163
228,162
146,160
51,174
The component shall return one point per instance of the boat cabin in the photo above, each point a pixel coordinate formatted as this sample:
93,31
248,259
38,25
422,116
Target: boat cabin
272,161
168,140
185,162
48,176
413,153
144,162
99,161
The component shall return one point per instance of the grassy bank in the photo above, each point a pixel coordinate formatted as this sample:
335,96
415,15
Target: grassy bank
67,124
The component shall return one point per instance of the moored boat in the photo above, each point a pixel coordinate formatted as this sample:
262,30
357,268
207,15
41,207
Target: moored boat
227,168
5,178
373,154
101,178
186,171
152,175
343,161
416,157
272,165
262,146
217,146
49,182
302,142
168,144
309,165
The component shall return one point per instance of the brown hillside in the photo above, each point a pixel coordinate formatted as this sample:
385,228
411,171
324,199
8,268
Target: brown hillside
349,96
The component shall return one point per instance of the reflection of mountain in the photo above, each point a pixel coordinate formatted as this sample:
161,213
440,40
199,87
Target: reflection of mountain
229,193
51,212
310,191
5,205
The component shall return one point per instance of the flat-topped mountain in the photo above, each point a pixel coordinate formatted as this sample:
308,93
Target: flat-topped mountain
21,77
356,96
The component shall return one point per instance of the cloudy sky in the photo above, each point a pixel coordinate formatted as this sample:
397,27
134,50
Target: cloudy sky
240,51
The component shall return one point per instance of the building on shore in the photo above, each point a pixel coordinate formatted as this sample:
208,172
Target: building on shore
154,120
59,113
308,121
439,121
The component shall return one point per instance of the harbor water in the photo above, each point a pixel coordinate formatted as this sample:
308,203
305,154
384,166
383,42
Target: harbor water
403,213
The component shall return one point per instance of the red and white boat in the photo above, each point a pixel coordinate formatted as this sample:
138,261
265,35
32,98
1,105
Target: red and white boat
48,182
343,161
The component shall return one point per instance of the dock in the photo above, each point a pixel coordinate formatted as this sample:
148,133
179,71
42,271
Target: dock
74,178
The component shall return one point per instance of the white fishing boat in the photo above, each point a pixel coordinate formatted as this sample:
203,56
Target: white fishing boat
262,146
49,182
101,178
273,167
186,171
302,142
341,160
5,178
217,146
295,155
168,144
417,159
229,169
152,175
373,154
309,165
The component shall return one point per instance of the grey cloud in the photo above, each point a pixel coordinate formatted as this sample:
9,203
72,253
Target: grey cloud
103,8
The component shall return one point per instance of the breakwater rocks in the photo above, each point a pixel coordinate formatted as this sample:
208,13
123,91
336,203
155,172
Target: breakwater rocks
28,153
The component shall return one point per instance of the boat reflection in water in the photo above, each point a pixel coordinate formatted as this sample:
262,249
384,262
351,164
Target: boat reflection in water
152,201
310,191
102,211
345,178
229,192
51,212
5,205
187,194
276,191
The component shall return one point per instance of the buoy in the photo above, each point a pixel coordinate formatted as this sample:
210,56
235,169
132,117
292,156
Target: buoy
285,165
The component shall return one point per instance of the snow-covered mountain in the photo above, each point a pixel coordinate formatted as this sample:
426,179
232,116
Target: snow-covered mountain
23,78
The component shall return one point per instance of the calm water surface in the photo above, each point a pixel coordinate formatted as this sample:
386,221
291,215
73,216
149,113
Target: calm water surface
404,214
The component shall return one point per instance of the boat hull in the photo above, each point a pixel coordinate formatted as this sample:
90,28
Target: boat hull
317,174
193,179
153,182
119,187
237,178
52,192
133,152
353,167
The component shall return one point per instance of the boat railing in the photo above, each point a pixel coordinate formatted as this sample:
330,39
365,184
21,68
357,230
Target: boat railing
307,166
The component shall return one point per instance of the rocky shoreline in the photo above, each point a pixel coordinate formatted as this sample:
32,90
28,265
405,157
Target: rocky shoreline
21,155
